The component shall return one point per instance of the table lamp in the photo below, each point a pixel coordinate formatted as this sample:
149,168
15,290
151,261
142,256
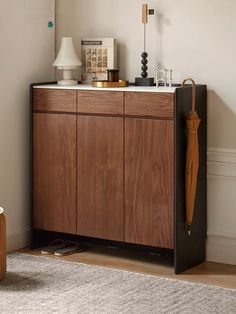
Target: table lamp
67,61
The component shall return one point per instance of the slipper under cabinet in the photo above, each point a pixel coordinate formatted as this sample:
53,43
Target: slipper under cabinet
105,165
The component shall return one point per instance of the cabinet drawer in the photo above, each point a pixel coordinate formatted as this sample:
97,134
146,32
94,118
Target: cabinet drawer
100,102
149,104
54,100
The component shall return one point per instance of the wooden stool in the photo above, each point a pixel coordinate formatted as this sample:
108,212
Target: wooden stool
2,245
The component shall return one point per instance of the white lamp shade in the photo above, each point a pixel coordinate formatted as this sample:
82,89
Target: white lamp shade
67,56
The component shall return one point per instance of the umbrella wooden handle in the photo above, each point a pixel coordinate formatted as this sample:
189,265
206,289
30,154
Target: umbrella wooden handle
193,91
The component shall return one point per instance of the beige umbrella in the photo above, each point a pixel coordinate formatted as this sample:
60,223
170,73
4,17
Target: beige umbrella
192,157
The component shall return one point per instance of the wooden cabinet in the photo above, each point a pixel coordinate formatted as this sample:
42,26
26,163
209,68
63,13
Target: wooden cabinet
149,186
158,105
93,102
55,100
100,211
54,172
111,165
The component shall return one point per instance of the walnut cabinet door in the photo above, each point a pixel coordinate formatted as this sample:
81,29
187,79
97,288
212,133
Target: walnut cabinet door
149,182
100,175
54,172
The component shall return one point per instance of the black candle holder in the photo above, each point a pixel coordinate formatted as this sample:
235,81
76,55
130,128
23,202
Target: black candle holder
144,80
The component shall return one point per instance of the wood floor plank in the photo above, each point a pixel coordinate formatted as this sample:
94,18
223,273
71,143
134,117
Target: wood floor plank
209,273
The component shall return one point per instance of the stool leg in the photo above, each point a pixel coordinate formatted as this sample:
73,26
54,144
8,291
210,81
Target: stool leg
2,246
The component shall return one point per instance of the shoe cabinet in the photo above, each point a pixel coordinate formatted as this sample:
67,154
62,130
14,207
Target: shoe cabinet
110,165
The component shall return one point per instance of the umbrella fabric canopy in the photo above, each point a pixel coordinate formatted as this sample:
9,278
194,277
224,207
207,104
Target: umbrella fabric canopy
192,157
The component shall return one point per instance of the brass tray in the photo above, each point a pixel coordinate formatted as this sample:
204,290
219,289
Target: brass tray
107,84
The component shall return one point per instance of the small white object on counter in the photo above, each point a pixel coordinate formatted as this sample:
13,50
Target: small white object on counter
131,88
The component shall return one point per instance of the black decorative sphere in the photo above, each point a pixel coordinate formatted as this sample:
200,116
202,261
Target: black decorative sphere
144,74
144,68
144,55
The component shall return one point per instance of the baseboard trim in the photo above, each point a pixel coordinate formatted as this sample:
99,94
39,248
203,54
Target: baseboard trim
221,249
18,240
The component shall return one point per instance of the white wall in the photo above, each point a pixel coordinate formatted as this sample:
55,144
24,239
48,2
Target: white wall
26,55
194,38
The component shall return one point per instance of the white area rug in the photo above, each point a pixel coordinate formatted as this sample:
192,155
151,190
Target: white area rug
43,286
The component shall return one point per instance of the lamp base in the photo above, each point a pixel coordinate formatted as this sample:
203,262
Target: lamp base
67,82
147,81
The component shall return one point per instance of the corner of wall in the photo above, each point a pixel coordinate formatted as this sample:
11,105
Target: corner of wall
18,240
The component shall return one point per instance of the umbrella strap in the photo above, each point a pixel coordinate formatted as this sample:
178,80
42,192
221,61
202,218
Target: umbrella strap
193,91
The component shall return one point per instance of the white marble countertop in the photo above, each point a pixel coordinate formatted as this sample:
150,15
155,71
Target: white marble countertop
131,88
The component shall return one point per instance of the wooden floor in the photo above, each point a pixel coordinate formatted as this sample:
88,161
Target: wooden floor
207,273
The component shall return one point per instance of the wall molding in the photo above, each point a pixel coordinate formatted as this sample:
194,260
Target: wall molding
221,169
222,163
222,155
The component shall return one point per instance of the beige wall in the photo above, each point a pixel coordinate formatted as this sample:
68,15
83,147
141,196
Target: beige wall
26,54
194,38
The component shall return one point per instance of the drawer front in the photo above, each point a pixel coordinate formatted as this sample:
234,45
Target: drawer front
54,100
100,102
149,104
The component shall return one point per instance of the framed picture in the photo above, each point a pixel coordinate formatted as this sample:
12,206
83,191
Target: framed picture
98,55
